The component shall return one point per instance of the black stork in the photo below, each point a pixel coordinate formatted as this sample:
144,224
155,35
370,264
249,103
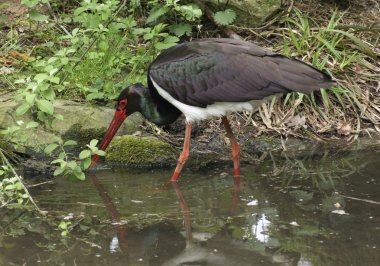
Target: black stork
211,78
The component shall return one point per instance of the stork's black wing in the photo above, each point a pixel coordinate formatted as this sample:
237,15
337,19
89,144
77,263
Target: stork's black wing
203,72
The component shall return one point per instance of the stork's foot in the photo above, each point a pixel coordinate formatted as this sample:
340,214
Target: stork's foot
184,155
181,161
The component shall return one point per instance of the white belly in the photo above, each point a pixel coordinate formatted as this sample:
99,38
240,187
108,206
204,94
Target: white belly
218,109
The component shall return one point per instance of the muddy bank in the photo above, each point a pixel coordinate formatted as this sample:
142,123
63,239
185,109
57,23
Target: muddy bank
148,151
143,145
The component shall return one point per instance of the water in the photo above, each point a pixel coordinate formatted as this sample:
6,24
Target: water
318,208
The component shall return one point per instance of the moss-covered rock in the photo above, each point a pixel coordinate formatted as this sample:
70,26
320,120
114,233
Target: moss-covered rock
133,151
141,152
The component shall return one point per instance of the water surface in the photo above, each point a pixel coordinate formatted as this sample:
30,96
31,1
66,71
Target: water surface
318,208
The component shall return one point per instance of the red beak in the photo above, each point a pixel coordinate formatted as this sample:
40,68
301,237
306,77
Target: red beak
116,122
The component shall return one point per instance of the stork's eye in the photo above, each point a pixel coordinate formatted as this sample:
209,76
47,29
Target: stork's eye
122,104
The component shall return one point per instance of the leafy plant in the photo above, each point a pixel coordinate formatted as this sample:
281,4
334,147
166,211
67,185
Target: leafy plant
19,133
34,14
64,226
69,167
87,66
184,15
12,188
225,17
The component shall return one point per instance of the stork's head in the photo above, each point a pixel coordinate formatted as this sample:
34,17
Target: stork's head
127,103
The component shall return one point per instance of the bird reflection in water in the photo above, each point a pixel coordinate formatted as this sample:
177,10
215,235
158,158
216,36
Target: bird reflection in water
163,244
160,244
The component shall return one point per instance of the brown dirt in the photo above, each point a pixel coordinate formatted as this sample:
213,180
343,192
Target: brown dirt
12,9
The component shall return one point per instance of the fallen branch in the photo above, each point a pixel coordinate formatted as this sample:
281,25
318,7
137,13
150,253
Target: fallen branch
39,184
359,199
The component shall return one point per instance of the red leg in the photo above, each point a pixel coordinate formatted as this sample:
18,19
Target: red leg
184,155
234,146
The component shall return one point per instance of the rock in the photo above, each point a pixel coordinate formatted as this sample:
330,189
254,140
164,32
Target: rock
134,151
82,122
92,122
141,152
250,13
7,108
199,159
84,117
261,144
34,166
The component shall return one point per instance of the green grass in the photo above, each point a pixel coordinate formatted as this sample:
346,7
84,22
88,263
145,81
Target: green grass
339,52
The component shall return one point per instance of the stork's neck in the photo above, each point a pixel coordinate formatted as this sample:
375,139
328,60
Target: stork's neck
156,109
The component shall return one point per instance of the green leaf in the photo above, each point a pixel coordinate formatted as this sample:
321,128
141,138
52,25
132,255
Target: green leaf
72,165
43,86
22,109
54,80
190,12
84,154
45,106
49,94
181,29
139,31
80,175
93,142
10,187
100,152
59,171
62,155
41,116
156,13
40,77
86,163
35,15
95,95
74,31
148,36
70,143
53,71
29,3
103,46
32,124
163,45
58,161
171,39
50,148
64,225
18,186
30,98
225,17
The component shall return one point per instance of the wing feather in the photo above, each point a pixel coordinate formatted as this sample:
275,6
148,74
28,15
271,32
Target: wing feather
203,72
